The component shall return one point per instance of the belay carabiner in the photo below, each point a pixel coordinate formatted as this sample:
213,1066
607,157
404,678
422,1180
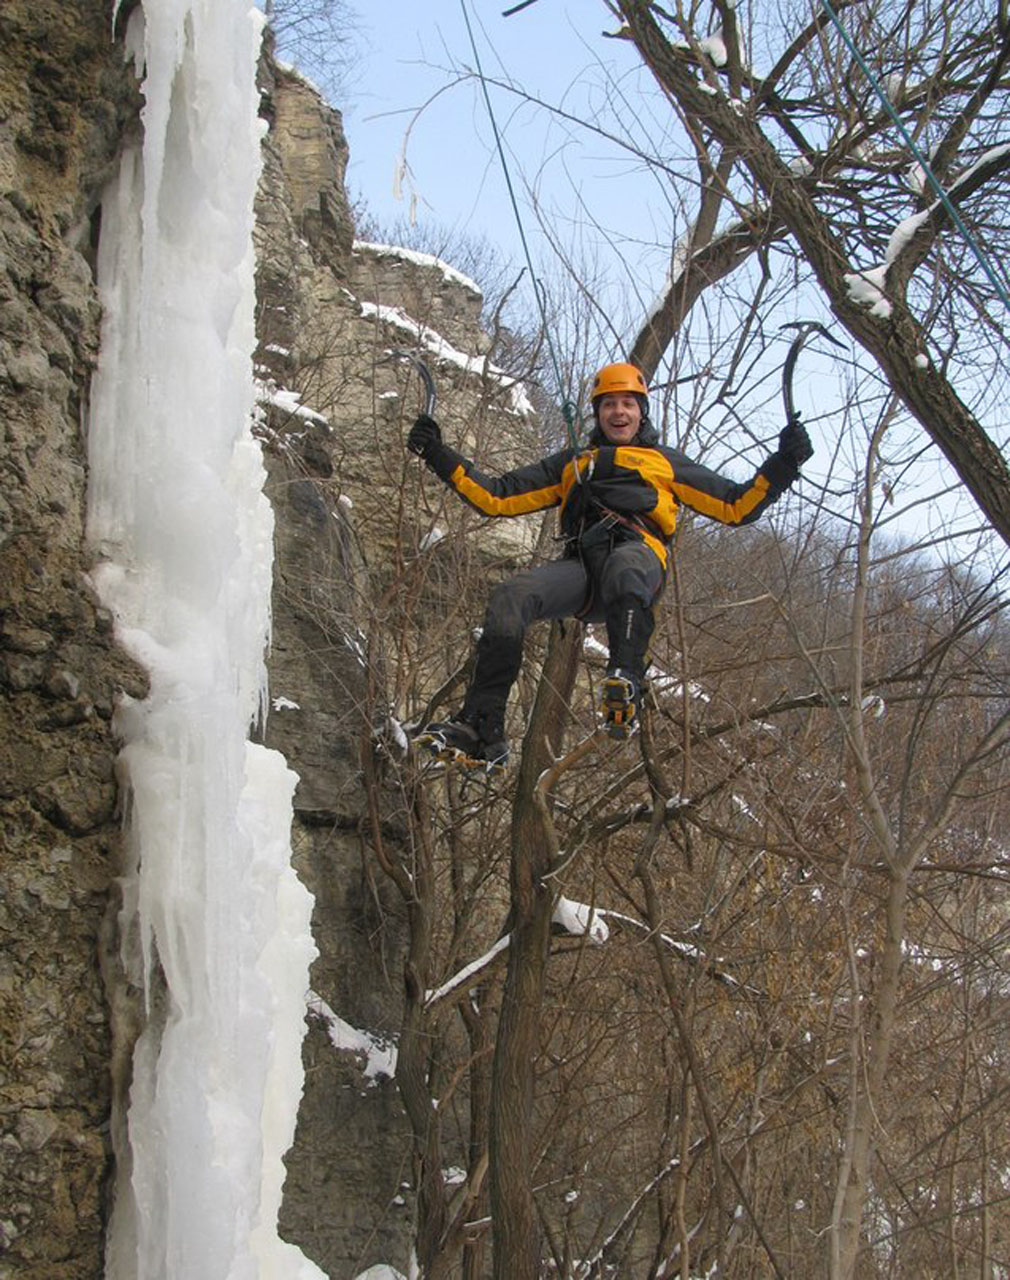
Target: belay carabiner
397,353
806,329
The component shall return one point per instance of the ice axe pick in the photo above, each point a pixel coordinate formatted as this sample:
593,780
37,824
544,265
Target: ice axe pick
805,330
398,353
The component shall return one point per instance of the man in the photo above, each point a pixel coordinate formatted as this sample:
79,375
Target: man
619,498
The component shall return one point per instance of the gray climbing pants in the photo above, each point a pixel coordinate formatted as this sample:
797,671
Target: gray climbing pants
620,585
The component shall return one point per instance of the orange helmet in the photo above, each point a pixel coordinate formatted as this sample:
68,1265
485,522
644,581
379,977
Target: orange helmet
618,377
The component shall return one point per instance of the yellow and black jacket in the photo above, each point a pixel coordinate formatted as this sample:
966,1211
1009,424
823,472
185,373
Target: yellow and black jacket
641,486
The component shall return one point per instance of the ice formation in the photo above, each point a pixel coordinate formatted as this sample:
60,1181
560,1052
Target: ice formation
215,923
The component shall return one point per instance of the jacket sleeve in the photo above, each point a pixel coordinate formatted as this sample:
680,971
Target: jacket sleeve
722,499
533,487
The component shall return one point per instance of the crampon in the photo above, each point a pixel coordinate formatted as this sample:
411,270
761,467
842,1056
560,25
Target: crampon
620,704
454,742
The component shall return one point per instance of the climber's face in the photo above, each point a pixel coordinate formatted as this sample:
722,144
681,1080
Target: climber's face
620,416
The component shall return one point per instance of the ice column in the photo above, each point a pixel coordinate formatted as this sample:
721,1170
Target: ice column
215,923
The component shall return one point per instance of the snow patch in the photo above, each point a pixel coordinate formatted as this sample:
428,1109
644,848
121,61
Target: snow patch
477,366
578,919
378,1052
421,260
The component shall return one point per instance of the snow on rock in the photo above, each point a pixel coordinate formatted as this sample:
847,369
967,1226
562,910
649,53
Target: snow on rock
432,538
591,644
478,366
421,260
287,401
378,1053
215,924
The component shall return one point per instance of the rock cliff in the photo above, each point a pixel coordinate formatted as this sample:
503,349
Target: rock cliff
66,101
334,411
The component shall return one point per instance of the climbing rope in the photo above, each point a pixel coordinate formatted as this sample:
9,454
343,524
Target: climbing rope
568,408
934,182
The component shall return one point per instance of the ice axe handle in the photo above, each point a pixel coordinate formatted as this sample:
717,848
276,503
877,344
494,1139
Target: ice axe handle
424,373
806,328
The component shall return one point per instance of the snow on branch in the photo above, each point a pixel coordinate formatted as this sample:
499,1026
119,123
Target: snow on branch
465,977
868,287
574,918
580,921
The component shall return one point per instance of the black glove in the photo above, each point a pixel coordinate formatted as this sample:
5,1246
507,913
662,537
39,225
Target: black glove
794,443
425,437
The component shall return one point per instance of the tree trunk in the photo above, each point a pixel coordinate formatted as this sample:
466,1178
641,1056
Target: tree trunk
866,1094
515,1227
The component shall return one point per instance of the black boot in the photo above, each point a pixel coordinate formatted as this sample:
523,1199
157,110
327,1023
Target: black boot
461,741
475,737
629,629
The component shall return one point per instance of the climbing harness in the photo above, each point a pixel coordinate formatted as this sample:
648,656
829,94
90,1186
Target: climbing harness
806,329
398,353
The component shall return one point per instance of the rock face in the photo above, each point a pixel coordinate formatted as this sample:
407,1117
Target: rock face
66,99
335,412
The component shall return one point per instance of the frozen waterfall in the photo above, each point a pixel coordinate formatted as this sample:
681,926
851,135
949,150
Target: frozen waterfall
215,924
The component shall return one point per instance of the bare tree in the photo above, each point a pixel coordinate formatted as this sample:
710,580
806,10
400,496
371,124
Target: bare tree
318,36
851,214
736,1005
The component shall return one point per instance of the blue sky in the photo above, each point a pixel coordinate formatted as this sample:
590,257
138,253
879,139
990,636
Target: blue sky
555,50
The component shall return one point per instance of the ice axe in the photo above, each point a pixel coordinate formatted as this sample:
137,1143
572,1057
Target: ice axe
805,330
398,353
